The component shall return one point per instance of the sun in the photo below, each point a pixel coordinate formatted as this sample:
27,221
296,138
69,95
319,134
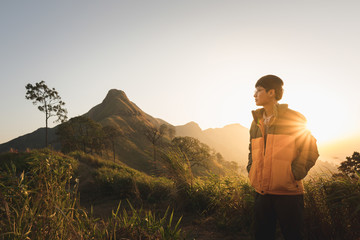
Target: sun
326,127
328,118
318,130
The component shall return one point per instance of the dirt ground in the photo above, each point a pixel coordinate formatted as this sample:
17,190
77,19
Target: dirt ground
206,229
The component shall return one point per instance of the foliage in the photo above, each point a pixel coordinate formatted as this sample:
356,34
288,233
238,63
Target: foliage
332,208
39,199
228,199
17,159
351,166
49,102
201,158
81,133
155,136
144,224
177,170
42,203
195,151
171,132
122,182
332,205
110,136
89,159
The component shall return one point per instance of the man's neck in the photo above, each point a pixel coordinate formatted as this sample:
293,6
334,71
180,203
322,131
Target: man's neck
269,109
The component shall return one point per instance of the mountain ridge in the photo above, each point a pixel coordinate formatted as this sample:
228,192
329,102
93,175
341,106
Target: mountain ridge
133,148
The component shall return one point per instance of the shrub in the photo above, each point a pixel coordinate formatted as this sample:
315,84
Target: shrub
332,208
228,199
41,203
86,158
126,183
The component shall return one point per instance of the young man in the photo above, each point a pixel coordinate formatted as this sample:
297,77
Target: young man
282,151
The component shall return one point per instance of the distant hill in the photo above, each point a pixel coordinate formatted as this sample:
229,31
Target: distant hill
132,147
232,141
32,140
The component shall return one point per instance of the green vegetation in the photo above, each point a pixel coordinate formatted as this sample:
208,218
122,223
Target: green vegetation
333,208
83,134
39,199
49,102
351,166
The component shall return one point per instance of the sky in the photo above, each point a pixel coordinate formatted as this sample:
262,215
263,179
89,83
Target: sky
185,60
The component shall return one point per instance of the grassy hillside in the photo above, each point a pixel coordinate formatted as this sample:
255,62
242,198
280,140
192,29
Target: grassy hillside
132,144
40,200
49,195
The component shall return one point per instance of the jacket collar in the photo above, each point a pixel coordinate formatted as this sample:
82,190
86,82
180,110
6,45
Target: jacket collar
278,112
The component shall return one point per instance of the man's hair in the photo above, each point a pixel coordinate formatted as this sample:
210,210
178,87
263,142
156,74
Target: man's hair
271,82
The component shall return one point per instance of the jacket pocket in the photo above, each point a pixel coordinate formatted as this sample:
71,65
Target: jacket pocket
257,160
282,179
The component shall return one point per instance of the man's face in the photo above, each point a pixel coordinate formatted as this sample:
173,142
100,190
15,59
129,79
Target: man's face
262,97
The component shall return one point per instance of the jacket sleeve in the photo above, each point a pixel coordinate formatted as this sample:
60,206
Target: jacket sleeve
249,159
248,167
307,153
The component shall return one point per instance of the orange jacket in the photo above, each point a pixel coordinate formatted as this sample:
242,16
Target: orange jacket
278,165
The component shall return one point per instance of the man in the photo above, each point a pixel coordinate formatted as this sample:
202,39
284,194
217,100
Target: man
282,151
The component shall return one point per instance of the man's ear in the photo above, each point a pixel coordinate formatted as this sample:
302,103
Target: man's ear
271,92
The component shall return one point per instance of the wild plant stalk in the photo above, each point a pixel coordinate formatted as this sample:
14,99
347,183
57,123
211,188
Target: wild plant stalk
42,203
333,208
143,223
39,200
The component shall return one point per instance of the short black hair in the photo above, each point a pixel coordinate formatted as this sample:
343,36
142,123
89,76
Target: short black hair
271,82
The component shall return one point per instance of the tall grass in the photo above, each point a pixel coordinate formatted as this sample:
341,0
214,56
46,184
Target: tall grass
120,181
40,201
332,204
229,200
332,207
130,184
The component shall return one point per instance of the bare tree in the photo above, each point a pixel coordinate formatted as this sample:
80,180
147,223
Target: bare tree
111,134
154,135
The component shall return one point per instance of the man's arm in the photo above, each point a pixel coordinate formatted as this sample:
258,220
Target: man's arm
306,156
252,129
249,159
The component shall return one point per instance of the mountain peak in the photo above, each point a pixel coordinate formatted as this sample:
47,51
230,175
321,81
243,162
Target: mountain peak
116,94
115,103
193,125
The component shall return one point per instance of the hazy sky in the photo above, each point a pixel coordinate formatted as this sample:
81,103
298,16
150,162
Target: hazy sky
183,60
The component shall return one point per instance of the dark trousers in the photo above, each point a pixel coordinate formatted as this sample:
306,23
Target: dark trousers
288,210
